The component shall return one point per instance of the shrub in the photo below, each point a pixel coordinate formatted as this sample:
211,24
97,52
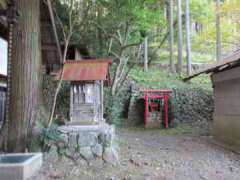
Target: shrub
116,107
63,106
191,104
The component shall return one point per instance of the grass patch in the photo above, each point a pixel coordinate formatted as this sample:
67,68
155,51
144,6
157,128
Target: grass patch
199,128
196,57
181,129
157,78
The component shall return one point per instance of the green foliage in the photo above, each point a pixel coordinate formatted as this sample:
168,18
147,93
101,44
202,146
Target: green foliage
202,11
149,18
192,104
63,101
141,14
205,40
115,107
159,78
49,137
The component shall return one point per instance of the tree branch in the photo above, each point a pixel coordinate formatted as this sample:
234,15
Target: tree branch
106,33
130,45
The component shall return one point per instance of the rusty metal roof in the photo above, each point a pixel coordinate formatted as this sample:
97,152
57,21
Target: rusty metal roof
230,61
85,70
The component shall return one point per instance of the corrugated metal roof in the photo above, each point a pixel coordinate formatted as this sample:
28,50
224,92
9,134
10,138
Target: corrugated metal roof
85,70
227,62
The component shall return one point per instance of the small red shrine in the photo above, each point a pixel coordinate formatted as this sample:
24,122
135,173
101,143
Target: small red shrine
156,107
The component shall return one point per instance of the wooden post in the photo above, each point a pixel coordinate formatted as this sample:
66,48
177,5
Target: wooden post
101,99
71,102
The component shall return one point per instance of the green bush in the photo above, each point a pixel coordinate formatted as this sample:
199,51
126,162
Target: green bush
192,104
116,107
63,100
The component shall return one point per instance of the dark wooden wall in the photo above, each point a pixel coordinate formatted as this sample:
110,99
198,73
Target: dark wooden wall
2,104
50,54
227,107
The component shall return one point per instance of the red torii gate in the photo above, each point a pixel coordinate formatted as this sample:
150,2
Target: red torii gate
161,94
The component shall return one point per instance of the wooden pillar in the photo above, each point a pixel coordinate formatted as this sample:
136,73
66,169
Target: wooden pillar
101,99
71,102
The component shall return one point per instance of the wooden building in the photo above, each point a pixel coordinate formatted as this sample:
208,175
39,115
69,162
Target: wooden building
225,76
50,44
87,79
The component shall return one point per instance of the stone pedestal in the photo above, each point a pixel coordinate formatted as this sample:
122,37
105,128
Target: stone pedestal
91,141
155,120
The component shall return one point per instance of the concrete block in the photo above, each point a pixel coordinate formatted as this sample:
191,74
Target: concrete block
19,166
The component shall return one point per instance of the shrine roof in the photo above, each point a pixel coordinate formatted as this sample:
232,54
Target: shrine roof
85,70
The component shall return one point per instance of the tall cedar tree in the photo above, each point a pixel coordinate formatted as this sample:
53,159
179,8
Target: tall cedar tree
179,67
218,31
188,35
25,74
171,34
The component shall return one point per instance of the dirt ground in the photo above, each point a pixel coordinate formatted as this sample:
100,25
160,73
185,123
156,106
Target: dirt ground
175,154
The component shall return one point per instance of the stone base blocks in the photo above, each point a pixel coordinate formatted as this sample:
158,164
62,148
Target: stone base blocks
93,141
155,120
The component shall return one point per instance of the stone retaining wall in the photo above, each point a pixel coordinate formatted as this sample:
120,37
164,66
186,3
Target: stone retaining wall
135,110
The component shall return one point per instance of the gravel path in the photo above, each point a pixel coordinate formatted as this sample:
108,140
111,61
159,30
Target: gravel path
149,155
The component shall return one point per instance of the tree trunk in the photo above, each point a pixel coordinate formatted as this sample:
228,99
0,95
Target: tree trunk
218,31
99,32
146,54
188,43
179,65
25,76
171,34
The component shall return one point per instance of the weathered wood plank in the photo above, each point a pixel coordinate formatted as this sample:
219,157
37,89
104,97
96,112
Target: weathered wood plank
227,107
227,89
226,129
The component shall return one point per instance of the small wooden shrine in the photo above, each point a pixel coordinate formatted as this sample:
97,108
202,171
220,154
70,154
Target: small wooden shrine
87,79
